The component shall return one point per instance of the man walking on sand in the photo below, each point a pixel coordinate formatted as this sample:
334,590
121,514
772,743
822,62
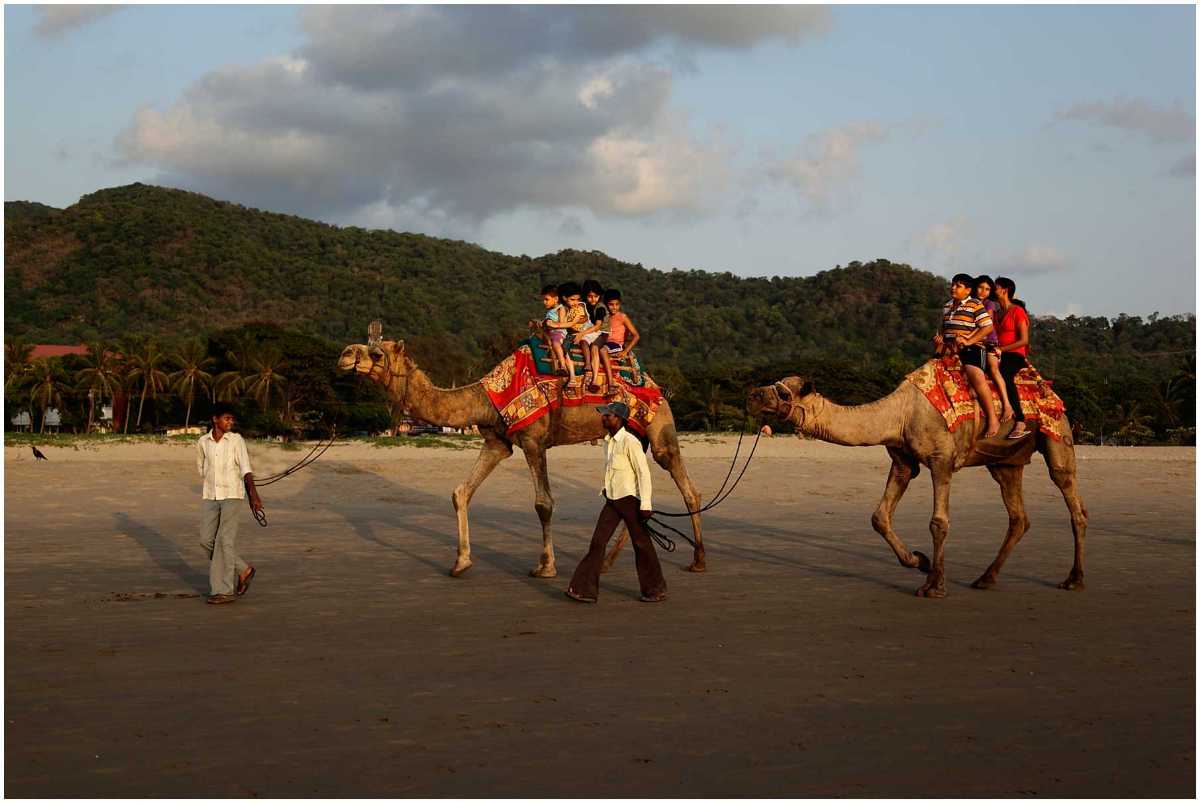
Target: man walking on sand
224,466
626,495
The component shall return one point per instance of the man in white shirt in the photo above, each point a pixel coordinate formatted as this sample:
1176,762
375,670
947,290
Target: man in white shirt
224,466
627,494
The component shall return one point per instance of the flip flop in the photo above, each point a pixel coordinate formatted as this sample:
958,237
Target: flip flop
578,597
655,598
243,583
1016,436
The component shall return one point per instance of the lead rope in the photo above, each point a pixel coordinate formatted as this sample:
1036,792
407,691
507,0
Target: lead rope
663,540
313,455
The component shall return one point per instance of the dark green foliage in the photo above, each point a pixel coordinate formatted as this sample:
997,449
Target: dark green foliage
143,260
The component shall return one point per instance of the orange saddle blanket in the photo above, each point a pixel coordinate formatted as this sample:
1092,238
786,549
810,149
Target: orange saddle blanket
522,396
945,386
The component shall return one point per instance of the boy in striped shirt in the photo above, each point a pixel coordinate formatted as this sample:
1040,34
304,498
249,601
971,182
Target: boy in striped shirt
965,325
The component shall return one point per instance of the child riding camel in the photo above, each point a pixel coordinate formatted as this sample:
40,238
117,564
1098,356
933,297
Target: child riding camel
965,323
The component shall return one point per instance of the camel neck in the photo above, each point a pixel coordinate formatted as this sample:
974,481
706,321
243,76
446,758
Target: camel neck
456,407
880,422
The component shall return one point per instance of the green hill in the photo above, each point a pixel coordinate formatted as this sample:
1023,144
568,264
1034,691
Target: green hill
170,264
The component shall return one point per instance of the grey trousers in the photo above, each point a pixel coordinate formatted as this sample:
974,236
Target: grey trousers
218,536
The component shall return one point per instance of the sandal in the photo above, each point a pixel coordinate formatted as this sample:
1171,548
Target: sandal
1016,436
653,598
243,582
578,597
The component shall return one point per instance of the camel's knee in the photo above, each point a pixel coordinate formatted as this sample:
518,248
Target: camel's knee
1018,524
544,508
460,497
881,522
939,525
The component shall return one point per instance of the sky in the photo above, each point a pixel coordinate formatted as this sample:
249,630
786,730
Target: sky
1055,145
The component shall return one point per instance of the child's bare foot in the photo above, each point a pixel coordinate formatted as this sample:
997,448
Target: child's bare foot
993,428
1006,415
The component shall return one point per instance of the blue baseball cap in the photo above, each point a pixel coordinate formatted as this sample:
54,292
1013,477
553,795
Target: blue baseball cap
619,409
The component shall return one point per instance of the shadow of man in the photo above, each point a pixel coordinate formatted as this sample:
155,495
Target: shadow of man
162,551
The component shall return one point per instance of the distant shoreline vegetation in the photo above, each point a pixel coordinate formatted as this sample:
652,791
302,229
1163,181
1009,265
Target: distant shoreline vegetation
198,299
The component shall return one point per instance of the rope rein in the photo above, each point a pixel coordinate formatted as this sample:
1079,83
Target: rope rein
663,540
313,455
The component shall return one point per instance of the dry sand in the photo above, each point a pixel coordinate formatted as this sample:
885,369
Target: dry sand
801,664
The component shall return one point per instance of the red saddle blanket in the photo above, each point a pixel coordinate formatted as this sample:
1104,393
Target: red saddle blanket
522,396
944,384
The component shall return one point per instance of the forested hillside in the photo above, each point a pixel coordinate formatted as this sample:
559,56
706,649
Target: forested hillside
139,264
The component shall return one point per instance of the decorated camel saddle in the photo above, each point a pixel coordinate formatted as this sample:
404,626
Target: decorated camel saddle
523,388
945,386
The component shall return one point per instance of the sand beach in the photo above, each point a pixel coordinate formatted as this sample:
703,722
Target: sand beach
801,664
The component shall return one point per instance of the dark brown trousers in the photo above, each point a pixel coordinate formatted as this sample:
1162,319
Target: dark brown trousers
586,580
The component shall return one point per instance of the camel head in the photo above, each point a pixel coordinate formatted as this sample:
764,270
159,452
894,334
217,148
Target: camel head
386,362
780,400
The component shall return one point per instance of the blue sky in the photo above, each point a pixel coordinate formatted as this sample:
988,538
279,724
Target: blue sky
1055,145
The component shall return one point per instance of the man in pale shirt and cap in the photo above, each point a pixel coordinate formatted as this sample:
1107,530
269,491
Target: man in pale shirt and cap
627,498
224,465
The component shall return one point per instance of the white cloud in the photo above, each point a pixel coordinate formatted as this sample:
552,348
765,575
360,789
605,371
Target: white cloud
1158,123
942,242
454,114
57,20
1034,260
827,160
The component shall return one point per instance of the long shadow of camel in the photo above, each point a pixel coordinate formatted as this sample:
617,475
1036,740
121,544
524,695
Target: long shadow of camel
162,551
366,522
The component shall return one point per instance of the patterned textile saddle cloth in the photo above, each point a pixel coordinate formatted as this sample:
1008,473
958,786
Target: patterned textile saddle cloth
629,370
522,394
945,385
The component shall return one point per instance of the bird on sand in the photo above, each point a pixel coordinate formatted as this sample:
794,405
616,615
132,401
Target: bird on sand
37,455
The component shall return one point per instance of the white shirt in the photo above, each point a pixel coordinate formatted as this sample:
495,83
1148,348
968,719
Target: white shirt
222,464
626,472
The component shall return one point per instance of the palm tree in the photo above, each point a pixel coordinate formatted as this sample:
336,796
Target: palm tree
231,384
101,377
16,361
192,359
146,363
264,380
47,385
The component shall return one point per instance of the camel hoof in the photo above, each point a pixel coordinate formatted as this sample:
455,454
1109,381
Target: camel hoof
931,592
696,566
984,582
923,563
459,568
544,571
1072,583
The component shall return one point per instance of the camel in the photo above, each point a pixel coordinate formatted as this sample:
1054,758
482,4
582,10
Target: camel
915,434
389,364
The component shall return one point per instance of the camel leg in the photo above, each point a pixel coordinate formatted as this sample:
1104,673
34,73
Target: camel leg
1009,478
900,474
543,502
669,458
1060,459
615,550
494,450
939,528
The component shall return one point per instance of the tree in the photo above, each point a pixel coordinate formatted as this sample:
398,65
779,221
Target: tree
101,376
192,359
265,382
16,361
146,363
231,384
47,385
